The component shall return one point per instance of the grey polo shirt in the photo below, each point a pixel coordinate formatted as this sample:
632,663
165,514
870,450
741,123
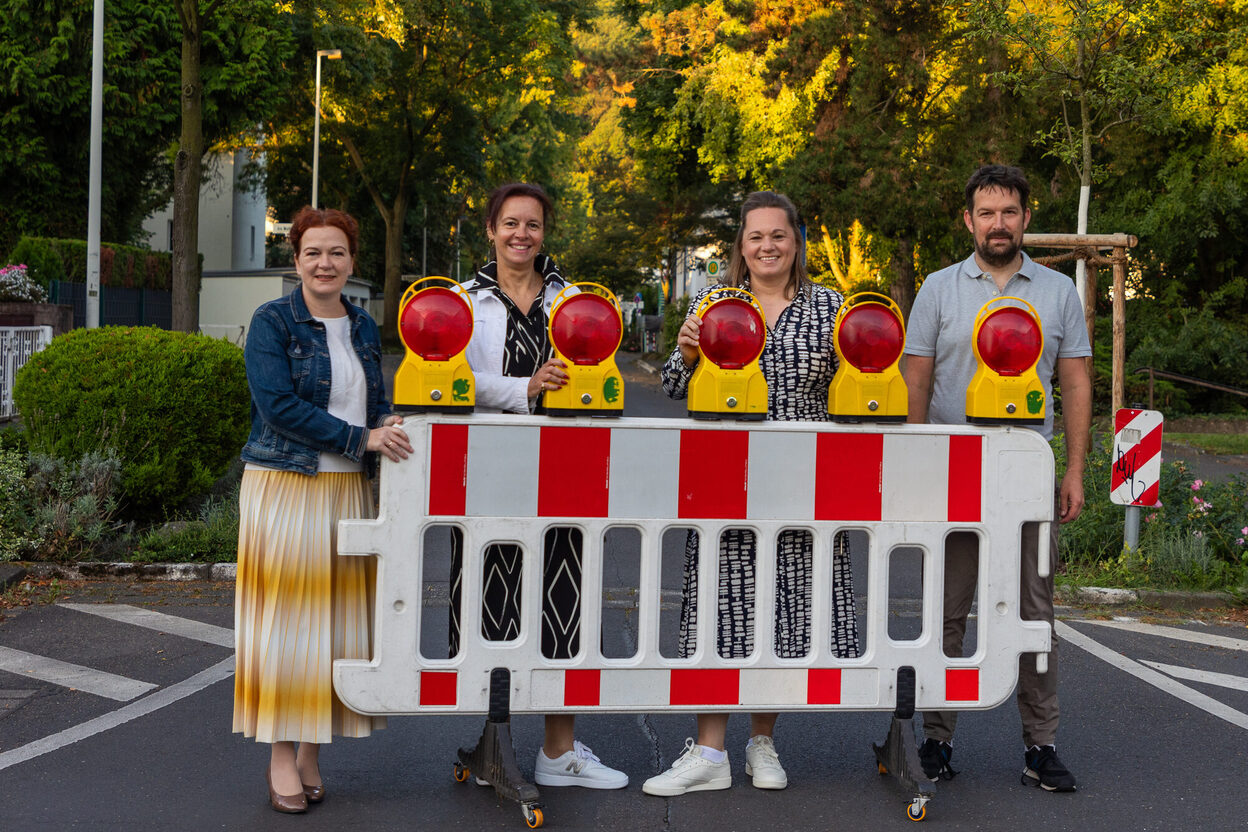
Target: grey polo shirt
943,318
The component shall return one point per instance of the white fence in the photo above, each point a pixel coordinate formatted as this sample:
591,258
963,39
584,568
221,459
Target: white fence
17,345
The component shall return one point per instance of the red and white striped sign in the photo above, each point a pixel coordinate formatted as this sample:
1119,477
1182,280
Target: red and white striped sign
574,471
1136,472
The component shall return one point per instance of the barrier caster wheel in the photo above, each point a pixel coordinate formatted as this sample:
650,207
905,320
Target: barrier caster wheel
461,773
916,811
533,816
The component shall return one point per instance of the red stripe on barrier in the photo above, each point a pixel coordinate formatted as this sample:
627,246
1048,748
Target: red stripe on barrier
823,686
581,687
848,471
713,474
448,469
706,687
437,687
965,478
574,467
962,684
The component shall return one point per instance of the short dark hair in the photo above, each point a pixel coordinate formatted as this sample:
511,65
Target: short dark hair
1005,177
505,192
309,217
737,271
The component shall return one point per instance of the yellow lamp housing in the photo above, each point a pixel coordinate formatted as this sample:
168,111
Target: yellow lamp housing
586,327
435,324
727,383
868,337
1008,341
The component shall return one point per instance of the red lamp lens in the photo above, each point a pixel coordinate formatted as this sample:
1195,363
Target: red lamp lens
732,333
1009,341
870,337
436,324
586,328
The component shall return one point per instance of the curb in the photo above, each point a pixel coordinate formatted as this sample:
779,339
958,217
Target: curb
1166,599
133,571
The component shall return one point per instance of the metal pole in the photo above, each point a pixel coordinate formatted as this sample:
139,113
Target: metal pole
458,228
96,166
333,55
1131,529
316,132
424,246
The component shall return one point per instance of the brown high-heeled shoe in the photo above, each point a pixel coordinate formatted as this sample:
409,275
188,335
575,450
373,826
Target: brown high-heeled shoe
314,794
291,804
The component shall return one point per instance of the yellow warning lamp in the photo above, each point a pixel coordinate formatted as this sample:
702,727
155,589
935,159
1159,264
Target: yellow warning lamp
435,323
868,338
586,327
727,383
1008,341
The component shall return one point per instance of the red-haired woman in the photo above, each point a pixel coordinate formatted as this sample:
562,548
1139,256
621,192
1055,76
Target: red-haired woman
319,417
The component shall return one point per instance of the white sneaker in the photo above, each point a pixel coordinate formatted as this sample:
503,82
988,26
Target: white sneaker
763,764
690,773
578,767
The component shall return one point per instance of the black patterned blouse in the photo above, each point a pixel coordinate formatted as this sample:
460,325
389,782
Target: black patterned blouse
798,359
526,346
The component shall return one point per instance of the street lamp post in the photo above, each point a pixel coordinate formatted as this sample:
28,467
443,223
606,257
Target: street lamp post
333,55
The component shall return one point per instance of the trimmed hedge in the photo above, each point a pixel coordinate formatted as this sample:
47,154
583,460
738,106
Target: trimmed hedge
121,266
175,407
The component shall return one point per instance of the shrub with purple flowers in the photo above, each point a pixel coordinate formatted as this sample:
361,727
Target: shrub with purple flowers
16,286
1195,537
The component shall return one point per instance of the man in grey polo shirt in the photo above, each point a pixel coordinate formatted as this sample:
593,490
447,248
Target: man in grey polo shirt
938,368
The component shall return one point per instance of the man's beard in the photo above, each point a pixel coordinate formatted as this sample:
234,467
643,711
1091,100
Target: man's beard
997,258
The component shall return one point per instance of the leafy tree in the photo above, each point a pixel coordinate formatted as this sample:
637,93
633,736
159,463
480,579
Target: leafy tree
45,102
435,102
231,51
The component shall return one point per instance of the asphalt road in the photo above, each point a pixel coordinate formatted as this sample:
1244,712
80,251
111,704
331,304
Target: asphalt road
115,707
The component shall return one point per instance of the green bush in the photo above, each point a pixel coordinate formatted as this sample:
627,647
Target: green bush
1196,537
120,266
212,538
173,406
43,261
673,317
51,509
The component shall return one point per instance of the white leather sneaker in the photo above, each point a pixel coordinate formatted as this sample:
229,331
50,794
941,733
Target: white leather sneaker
763,764
578,767
690,773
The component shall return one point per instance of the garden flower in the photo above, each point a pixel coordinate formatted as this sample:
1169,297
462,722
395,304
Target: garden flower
1197,484
1244,531
1198,534
1239,542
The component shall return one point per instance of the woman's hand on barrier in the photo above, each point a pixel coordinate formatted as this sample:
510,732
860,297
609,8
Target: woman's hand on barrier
688,338
390,440
549,376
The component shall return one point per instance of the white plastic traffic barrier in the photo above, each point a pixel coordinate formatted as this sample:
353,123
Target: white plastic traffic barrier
511,478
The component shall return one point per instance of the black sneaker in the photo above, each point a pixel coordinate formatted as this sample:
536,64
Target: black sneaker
1042,768
934,756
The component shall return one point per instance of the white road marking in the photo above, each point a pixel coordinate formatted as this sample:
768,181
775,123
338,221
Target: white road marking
159,621
1208,677
1152,677
1176,633
221,670
98,682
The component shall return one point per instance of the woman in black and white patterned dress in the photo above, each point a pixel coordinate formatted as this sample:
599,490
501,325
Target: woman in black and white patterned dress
798,363
511,360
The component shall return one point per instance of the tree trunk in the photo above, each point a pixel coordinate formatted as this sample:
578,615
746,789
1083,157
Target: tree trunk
187,172
395,222
901,288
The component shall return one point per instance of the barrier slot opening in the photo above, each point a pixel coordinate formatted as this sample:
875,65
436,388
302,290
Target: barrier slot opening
621,587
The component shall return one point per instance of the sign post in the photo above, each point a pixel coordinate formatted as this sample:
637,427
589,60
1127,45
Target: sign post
1136,475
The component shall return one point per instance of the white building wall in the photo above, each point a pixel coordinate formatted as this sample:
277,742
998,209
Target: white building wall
225,215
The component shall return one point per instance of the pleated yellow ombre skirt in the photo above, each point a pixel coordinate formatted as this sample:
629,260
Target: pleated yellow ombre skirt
298,606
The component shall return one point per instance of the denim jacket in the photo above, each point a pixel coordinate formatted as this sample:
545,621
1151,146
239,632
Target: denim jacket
287,357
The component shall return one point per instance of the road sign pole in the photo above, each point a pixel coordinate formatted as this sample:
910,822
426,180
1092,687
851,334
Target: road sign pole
1131,529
